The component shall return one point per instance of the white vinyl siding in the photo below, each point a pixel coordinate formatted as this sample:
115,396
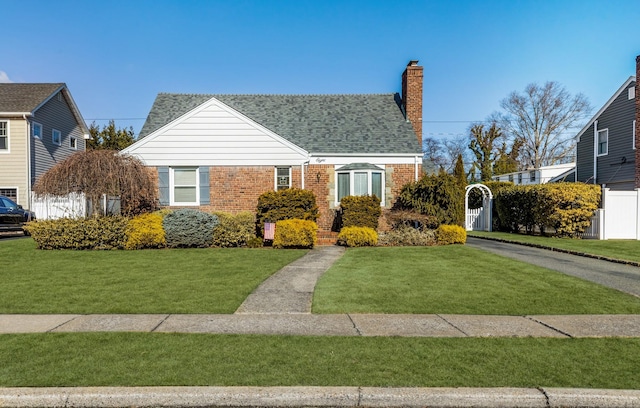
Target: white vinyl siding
603,142
4,136
184,186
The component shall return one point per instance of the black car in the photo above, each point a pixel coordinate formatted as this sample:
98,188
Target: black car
12,215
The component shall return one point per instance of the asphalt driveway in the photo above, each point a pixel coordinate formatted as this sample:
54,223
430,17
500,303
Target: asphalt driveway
622,277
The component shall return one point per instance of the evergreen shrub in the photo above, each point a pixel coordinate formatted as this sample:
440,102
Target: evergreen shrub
145,231
407,236
291,203
80,233
295,233
234,230
360,211
450,234
188,227
357,237
440,196
398,219
255,242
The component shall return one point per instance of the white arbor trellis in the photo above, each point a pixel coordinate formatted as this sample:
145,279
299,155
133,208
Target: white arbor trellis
478,219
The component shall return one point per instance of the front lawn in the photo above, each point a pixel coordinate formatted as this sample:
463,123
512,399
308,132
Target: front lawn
155,359
146,281
457,279
623,249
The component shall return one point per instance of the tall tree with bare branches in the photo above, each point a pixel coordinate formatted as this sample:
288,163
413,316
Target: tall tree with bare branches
545,119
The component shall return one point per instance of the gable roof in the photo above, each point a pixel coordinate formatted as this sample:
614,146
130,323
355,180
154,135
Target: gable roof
338,124
624,86
26,98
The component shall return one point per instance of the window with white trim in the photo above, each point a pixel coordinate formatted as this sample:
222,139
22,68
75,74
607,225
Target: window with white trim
360,179
283,178
73,143
4,136
519,178
56,137
511,178
184,186
532,176
603,141
36,129
12,193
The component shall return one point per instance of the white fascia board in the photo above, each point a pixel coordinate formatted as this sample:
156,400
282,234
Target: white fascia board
228,109
606,105
15,114
371,158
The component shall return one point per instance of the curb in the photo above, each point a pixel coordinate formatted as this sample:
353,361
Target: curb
340,397
565,251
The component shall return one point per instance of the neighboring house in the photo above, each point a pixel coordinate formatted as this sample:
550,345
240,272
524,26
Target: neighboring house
606,146
40,125
542,175
220,152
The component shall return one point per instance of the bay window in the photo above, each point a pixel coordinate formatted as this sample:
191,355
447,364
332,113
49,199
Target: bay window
358,179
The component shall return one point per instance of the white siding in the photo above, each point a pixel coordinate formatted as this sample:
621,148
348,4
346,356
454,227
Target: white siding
13,165
215,135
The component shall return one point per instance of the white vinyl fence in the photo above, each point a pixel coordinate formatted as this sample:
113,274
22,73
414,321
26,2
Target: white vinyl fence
73,205
619,217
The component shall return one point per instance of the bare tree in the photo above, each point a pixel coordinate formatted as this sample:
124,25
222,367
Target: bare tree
433,159
544,119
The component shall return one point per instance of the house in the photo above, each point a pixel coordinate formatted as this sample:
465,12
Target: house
542,175
40,125
607,155
220,152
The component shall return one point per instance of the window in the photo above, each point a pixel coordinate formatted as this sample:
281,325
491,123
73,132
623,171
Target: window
37,130
283,178
603,139
73,143
359,179
632,92
519,178
11,193
511,178
532,176
56,137
4,136
184,186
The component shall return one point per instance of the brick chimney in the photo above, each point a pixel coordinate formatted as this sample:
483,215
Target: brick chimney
637,123
412,96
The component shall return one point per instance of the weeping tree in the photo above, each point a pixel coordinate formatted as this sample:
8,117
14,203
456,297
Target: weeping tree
98,172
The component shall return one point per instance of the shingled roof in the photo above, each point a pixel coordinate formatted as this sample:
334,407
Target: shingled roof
23,98
316,123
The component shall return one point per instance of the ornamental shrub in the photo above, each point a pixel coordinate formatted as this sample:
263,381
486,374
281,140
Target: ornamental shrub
515,206
398,219
188,227
450,234
360,211
407,236
439,195
145,231
80,233
357,237
291,203
566,207
234,230
295,234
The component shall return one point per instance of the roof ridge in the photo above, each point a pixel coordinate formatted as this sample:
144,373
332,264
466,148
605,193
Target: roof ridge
275,94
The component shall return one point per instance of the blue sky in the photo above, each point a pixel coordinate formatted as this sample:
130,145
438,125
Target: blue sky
115,56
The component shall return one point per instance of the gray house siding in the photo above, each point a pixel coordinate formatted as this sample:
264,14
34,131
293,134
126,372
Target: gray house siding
616,169
54,114
584,159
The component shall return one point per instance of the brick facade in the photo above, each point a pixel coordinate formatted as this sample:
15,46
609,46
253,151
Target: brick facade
412,80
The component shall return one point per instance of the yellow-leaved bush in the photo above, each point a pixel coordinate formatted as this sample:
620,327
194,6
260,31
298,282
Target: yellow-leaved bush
357,237
145,231
295,233
81,233
450,234
567,207
234,230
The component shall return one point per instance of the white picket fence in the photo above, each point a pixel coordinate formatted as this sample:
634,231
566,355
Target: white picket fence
475,219
73,205
596,229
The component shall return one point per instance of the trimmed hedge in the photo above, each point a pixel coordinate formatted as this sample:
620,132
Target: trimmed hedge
187,227
407,236
357,237
360,211
399,219
81,233
291,203
145,231
450,234
234,230
295,234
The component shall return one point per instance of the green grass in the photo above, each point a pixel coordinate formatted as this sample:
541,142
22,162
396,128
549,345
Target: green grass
142,359
457,280
623,249
148,281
